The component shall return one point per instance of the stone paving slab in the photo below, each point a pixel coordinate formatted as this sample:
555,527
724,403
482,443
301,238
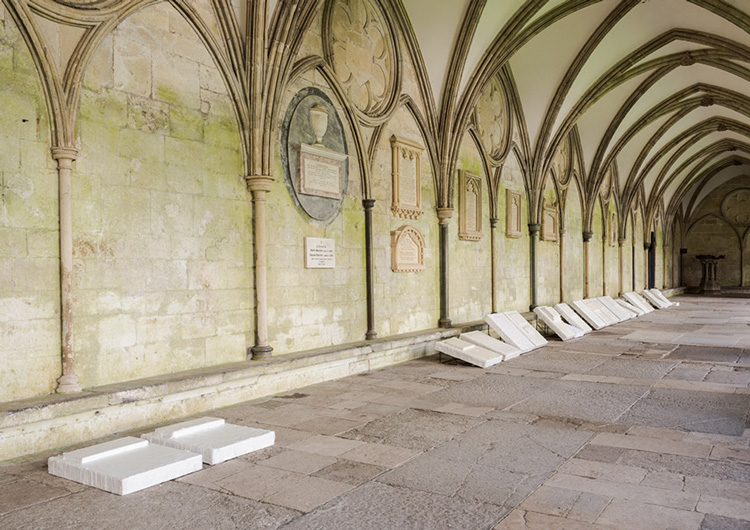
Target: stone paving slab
601,432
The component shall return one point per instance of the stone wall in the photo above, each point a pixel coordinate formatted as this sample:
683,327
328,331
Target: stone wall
573,246
29,248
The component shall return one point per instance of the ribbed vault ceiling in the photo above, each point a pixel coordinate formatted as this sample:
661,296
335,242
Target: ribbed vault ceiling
656,90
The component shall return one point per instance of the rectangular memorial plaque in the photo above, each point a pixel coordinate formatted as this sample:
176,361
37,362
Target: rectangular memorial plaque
549,223
407,249
320,171
512,214
406,178
320,253
470,207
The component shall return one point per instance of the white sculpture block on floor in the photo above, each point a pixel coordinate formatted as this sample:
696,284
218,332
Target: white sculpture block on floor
124,465
531,333
615,308
605,314
491,343
654,300
215,440
638,301
572,318
658,294
471,353
503,326
637,311
588,314
554,321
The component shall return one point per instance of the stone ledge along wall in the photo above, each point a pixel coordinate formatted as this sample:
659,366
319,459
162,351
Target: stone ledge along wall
29,248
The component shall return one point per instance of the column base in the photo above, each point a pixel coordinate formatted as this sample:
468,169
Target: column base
371,335
259,353
445,323
68,384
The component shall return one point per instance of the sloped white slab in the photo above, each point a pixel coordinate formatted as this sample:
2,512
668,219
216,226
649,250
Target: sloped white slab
471,353
605,314
215,440
554,321
531,333
613,306
638,301
637,311
588,314
503,326
124,465
658,294
654,300
572,318
491,343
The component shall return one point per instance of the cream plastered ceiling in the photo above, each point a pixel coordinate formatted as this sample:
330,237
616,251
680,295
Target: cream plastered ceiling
656,90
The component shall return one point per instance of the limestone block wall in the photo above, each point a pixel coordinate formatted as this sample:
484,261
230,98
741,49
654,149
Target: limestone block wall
404,301
612,255
548,259
29,248
573,246
513,268
470,261
718,225
162,226
640,274
596,249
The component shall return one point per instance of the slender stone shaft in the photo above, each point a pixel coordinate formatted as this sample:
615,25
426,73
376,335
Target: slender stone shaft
259,185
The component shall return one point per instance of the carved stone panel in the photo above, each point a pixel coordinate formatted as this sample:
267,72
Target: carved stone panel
407,249
549,223
736,206
364,54
492,118
612,229
469,207
314,155
512,214
406,172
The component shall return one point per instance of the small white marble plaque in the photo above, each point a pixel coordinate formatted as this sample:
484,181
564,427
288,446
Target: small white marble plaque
521,323
571,317
491,343
320,253
658,294
615,308
605,314
638,301
320,171
637,311
471,353
651,297
509,332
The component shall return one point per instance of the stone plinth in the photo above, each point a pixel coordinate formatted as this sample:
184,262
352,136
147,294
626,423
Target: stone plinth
709,277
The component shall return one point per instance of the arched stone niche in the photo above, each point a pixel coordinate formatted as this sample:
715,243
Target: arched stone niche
308,145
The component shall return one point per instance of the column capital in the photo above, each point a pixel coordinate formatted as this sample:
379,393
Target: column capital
534,228
587,235
493,222
64,153
444,215
368,204
259,182
621,241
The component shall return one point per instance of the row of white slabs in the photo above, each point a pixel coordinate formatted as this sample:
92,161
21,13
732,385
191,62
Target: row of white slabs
131,464
519,336
482,350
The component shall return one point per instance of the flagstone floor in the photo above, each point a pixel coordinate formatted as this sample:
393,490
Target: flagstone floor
640,425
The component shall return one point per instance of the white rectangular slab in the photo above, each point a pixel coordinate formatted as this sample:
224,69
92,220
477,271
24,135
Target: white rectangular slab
124,465
638,301
491,343
554,321
215,440
658,294
531,333
588,314
654,300
471,353
604,313
502,325
613,306
572,318
637,311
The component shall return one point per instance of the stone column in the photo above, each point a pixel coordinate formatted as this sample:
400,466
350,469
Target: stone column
444,216
493,262
368,205
683,251
562,264
534,229
68,381
646,268
604,264
259,185
586,283
632,267
621,258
